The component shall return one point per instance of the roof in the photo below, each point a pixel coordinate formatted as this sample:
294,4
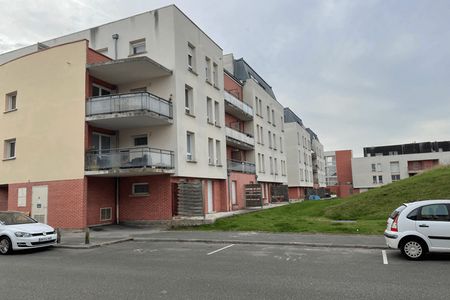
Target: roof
312,134
291,117
243,71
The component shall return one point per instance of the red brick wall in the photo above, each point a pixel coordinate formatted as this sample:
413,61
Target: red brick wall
66,202
296,193
101,193
233,122
156,206
232,87
241,180
95,57
3,198
344,166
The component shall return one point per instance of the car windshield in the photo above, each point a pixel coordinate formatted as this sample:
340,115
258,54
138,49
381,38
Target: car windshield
8,218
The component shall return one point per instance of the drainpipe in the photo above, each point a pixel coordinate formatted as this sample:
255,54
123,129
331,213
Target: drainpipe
115,38
117,199
229,191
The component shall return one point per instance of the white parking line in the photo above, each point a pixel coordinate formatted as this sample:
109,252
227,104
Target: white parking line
220,249
385,260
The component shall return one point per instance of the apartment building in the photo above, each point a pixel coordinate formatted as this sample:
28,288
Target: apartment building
318,160
305,157
385,164
266,130
120,122
338,172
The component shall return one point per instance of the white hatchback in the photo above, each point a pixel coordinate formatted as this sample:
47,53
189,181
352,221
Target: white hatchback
18,232
419,227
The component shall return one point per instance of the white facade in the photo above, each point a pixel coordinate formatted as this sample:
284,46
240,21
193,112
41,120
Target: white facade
168,37
318,162
370,172
299,152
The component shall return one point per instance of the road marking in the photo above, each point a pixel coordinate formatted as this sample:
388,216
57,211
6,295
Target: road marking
226,247
385,260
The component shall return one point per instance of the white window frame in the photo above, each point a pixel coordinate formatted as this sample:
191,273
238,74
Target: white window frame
8,152
11,102
134,185
134,45
209,110
188,100
191,63
218,153
207,69
211,151
190,146
216,113
215,76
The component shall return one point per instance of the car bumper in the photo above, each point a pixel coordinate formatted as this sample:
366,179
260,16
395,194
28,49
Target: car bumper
34,242
391,239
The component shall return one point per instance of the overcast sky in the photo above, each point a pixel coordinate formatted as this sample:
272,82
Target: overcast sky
359,73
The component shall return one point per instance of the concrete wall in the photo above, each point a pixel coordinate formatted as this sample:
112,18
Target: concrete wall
362,167
48,124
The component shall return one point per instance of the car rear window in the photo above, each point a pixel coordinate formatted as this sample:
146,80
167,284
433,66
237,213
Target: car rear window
397,211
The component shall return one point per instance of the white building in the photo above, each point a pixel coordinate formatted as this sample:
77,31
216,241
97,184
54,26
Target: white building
386,164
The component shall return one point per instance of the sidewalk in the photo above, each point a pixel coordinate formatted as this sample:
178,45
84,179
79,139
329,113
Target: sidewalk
107,235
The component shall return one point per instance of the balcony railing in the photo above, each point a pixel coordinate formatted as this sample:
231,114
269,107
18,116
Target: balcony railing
241,166
239,136
128,158
246,111
121,103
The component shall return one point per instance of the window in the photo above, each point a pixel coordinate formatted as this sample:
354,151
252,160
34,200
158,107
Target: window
105,214
209,110
208,69
395,177
216,113
298,138
191,57
282,124
21,197
259,163
374,167
263,163
274,142
434,212
393,152
270,139
260,108
215,75
140,189
273,117
11,101
380,179
210,151
258,137
302,175
275,165
374,180
188,100
268,114
395,167
218,154
378,167
137,47
10,149
140,140
257,105
262,135
271,164
281,144
98,90
190,146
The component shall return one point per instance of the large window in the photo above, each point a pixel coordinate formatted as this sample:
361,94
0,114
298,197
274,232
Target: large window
10,149
434,212
137,47
11,101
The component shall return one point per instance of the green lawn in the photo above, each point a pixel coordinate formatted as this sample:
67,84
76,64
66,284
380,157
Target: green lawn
369,210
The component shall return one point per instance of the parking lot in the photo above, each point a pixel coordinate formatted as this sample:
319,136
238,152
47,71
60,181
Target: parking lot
148,270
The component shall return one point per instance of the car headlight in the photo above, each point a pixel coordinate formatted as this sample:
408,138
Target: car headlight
23,234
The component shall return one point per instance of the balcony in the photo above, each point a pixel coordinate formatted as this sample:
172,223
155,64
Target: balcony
238,108
130,110
129,162
239,139
241,166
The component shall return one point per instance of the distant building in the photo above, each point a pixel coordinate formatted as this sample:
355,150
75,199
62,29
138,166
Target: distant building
385,164
338,172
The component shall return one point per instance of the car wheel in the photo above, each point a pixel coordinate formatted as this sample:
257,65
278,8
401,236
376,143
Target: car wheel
413,249
5,245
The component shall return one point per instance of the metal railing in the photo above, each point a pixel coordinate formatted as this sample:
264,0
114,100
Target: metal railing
117,103
241,166
126,158
239,136
238,103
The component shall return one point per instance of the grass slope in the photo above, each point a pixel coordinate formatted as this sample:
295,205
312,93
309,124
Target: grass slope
370,209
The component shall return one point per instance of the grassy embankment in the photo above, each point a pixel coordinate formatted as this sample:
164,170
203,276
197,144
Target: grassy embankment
369,210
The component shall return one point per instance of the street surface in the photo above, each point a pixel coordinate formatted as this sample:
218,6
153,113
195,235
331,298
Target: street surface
169,270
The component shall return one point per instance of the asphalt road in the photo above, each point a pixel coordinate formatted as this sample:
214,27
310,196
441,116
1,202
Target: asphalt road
167,270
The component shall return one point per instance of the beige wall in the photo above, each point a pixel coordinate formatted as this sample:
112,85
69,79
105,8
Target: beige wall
49,122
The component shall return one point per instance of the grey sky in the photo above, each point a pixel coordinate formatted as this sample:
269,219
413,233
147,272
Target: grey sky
359,73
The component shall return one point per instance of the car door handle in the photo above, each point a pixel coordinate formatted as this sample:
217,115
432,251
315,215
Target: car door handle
423,225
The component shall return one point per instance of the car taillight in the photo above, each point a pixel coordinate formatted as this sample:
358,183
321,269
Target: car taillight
394,226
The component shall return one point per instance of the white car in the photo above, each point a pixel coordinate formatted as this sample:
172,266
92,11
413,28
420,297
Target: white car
19,232
419,227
